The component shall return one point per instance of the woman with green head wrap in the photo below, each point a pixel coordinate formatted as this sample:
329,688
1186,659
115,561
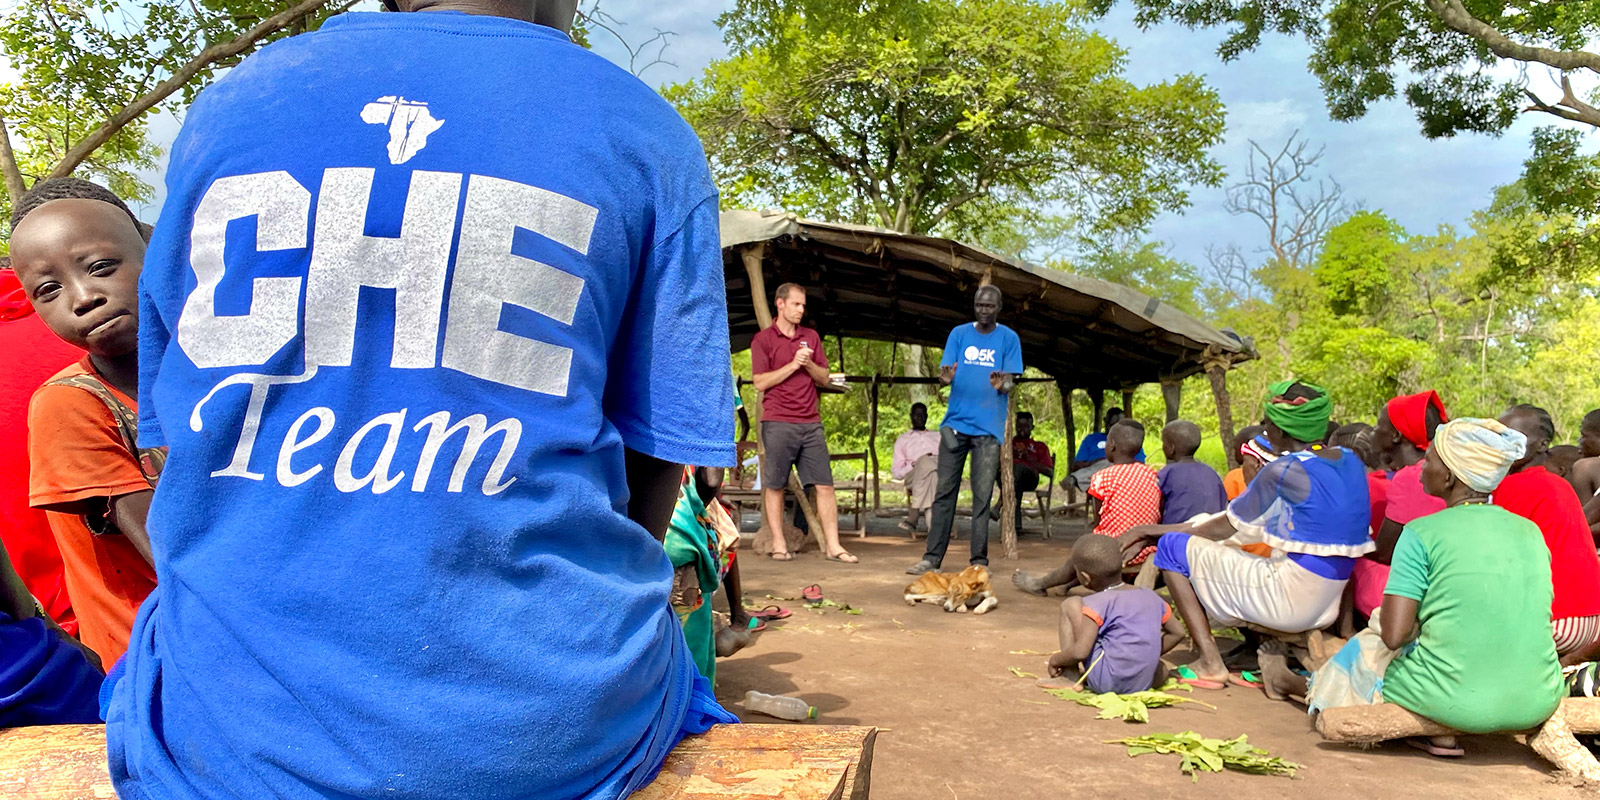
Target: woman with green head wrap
1310,505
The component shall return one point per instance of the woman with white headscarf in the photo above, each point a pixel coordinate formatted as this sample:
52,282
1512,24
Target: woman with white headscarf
1463,635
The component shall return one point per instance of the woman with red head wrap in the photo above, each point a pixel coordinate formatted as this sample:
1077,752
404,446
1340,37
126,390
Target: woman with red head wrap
1405,429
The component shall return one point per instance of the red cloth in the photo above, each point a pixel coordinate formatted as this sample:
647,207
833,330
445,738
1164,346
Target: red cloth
1129,495
1550,502
1033,454
795,399
32,355
1409,415
1378,495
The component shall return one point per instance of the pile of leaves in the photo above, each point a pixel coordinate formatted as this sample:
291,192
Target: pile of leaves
1133,707
1209,755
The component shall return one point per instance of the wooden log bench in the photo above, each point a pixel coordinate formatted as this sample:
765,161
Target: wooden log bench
1554,740
792,762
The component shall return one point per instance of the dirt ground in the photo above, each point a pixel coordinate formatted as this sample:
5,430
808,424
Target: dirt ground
957,724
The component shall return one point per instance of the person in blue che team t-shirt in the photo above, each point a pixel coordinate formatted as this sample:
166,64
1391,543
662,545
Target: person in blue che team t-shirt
433,314
981,363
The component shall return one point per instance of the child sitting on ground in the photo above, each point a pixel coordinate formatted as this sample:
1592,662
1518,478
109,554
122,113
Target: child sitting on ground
1188,488
1128,491
1115,637
1129,495
78,251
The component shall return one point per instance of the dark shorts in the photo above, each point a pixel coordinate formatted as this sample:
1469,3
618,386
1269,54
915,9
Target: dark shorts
801,445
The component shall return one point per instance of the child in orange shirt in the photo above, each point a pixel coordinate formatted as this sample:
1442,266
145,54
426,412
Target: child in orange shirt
78,251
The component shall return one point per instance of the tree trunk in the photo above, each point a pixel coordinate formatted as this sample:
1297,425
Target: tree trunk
1008,480
920,392
872,446
1172,396
1218,376
1553,740
1064,460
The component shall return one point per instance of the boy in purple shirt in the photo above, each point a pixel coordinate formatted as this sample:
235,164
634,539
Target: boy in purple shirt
1117,635
1188,487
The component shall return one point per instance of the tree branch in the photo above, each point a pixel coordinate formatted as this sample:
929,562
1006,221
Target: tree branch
1569,107
182,76
15,187
1456,17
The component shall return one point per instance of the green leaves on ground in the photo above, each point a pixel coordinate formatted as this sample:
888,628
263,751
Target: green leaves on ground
1134,707
1209,755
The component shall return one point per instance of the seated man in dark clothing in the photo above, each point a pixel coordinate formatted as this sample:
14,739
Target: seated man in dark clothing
1031,460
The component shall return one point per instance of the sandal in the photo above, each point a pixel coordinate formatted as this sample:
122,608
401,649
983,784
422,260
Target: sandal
812,593
772,613
1245,679
844,557
1187,677
782,556
755,625
906,526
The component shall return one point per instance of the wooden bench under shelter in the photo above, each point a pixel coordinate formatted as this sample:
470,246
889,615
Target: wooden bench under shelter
791,762
871,283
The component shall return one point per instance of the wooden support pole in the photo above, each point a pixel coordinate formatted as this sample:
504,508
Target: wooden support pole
872,445
1172,396
1127,403
1098,397
751,255
1008,480
1218,375
1064,464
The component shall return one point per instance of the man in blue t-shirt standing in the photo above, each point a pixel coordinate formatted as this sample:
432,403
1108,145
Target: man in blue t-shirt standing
434,312
981,363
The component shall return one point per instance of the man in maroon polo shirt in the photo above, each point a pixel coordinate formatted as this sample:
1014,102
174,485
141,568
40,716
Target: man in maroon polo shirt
789,365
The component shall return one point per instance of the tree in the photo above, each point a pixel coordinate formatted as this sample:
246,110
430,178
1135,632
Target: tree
956,116
1146,268
1451,53
91,72
1354,265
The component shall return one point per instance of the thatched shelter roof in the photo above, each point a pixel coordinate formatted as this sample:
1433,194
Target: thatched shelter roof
871,283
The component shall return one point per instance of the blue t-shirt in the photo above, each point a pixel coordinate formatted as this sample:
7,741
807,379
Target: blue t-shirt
1093,448
976,409
418,281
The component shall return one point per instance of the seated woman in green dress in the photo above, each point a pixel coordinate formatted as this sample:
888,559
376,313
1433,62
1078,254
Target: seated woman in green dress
1463,635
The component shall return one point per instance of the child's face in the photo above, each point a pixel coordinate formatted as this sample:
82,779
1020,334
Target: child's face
1169,448
79,263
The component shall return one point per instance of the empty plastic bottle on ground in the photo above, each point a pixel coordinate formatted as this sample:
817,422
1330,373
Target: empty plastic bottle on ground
791,708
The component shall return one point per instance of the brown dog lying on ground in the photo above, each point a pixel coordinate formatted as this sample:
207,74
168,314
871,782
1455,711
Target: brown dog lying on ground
956,591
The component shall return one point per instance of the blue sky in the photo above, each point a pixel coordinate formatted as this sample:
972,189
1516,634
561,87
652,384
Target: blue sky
1382,161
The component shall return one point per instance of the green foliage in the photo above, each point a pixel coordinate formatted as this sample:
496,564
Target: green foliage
1451,58
1559,176
960,116
1361,50
1146,268
1131,707
82,62
1354,263
1200,754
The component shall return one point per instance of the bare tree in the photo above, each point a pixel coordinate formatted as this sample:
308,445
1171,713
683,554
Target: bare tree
1232,272
1297,208
641,57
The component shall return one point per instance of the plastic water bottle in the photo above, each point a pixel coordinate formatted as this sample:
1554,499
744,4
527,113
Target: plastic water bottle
790,708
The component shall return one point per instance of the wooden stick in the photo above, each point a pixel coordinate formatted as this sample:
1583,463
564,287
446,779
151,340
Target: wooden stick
1008,481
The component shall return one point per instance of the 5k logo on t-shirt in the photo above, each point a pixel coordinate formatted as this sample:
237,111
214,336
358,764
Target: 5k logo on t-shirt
980,356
